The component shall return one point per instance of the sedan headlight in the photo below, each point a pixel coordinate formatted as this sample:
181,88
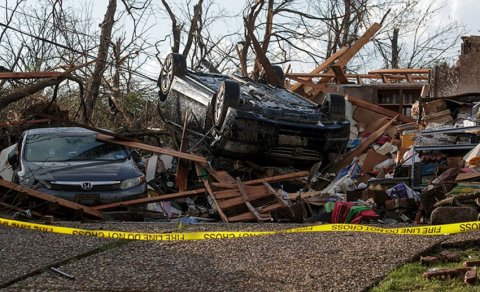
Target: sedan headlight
132,182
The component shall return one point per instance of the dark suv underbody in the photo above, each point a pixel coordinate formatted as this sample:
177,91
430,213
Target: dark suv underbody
247,118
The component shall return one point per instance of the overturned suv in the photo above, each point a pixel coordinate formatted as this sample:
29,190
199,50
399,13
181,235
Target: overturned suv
248,118
70,163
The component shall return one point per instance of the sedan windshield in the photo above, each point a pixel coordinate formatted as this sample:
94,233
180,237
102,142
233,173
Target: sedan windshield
58,147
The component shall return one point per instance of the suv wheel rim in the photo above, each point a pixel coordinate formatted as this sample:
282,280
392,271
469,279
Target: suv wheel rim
167,75
219,103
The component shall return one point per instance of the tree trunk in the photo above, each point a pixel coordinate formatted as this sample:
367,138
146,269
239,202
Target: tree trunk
346,23
395,49
93,87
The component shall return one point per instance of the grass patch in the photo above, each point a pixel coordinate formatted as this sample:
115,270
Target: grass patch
410,276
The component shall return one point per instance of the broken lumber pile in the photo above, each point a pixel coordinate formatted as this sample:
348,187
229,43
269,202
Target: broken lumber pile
244,203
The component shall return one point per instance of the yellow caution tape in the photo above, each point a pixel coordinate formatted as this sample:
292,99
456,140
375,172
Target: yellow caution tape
177,236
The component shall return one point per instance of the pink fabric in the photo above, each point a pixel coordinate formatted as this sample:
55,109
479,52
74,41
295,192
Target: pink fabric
365,215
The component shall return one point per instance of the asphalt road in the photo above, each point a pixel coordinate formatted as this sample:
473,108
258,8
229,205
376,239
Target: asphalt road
293,262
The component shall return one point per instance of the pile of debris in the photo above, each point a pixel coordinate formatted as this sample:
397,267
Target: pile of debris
468,272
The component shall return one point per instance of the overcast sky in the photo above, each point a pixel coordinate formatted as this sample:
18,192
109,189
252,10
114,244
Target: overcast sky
466,12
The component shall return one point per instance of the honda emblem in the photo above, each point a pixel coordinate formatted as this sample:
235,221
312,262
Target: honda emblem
86,185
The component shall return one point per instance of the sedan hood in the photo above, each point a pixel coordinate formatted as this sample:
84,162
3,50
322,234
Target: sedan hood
83,171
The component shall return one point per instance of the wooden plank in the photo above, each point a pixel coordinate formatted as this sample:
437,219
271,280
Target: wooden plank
233,193
385,78
344,59
222,176
339,74
231,202
367,118
363,146
400,71
378,109
241,187
311,86
409,77
304,195
353,50
242,217
270,208
200,173
350,76
181,176
320,68
215,202
370,128
274,193
373,158
467,176
29,75
159,198
267,179
197,192
52,199
151,148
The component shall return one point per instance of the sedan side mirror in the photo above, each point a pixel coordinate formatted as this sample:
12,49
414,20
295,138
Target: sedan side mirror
13,158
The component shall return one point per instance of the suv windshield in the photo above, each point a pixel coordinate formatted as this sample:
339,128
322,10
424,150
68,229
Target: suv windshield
68,147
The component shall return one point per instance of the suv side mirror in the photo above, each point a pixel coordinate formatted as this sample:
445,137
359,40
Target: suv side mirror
13,158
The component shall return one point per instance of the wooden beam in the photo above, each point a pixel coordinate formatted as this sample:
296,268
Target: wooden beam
239,198
400,71
222,176
363,146
159,198
378,109
352,76
247,203
267,179
322,67
181,176
29,75
309,84
339,74
353,50
151,148
348,55
52,199
248,216
215,202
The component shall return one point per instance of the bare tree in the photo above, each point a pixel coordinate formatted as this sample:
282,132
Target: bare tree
192,29
92,92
